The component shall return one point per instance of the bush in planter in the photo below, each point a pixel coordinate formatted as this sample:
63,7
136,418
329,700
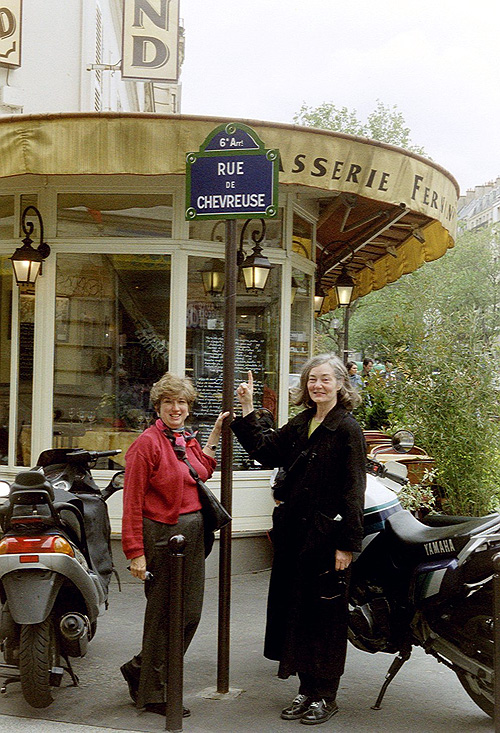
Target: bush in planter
420,498
448,398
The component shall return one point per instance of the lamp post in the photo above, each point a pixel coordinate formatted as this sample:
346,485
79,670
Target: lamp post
232,157
27,261
344,287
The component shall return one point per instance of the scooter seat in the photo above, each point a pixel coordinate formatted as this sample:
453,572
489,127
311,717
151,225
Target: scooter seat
418,541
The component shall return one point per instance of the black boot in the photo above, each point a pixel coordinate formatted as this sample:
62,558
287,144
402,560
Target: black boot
131,672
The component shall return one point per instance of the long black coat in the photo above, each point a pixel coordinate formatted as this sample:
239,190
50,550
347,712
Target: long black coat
322,510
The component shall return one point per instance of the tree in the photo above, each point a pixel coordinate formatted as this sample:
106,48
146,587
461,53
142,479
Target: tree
385,124
441,327
466,277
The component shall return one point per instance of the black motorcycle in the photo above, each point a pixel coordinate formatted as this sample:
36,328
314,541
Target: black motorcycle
430,586
55,568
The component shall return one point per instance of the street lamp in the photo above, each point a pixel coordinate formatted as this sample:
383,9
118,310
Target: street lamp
344,285
27,261
319,298
255,267
213,278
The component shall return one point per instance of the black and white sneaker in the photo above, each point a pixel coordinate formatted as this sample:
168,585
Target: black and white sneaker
319,711
297,708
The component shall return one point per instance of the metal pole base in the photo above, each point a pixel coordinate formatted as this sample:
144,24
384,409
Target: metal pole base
210,693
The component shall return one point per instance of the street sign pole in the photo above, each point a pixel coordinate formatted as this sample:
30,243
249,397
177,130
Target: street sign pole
233,176
227,458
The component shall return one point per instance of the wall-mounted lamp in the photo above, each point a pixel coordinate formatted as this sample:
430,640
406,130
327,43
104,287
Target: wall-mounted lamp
27,261
319,298
344,285
213,278
255,267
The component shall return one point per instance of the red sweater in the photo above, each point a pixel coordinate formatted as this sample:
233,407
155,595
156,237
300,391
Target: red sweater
158,485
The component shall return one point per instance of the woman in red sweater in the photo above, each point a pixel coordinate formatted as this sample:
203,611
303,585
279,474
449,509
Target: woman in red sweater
160,500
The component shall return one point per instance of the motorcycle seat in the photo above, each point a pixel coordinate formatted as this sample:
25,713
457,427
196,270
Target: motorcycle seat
420,542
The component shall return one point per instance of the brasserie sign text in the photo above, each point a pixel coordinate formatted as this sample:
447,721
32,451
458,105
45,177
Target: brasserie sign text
365,176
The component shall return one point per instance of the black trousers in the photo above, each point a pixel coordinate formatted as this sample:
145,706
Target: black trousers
155,633
318,687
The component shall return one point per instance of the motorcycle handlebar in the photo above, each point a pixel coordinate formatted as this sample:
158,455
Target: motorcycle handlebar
92,454
378,469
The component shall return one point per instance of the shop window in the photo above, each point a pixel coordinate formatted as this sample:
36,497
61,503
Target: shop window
6,217
214,231
257,348
25,377
5,347
302,236
300,327
111,344
114,215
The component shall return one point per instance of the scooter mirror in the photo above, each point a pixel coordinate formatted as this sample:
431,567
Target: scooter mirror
403,441
114,485
117,480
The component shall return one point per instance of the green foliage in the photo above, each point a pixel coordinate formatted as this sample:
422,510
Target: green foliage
387,321
385,124
450,402
375,411
329,117
419,498
441,327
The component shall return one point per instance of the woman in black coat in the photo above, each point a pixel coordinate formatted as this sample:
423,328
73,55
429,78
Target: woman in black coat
317,526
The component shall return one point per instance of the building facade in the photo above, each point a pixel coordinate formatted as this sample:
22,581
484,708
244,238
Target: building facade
123,295
69,60
480,206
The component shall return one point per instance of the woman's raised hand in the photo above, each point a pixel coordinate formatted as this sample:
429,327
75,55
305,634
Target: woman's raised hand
244,394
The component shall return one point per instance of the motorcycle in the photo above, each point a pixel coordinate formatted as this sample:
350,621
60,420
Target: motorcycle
424,584
55,568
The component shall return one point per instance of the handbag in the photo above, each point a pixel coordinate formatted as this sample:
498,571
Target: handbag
215,516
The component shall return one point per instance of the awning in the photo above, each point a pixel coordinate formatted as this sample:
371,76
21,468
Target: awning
383,211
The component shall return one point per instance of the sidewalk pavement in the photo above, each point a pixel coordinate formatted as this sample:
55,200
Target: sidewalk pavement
425,697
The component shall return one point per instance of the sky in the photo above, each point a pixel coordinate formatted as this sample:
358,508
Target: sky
438,61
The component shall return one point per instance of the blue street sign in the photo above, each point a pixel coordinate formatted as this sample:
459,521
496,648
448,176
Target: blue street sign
232,176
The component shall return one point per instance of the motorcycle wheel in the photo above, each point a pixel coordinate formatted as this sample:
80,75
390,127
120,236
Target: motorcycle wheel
479,628
38,653
480,692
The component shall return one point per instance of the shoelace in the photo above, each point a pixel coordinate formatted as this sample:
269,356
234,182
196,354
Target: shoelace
317,703
299,699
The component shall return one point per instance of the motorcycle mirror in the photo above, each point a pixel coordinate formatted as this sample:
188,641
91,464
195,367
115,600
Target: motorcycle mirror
117,480
4,489
403,441
114,485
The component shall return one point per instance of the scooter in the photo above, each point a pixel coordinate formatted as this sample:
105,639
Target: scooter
55,568
430,586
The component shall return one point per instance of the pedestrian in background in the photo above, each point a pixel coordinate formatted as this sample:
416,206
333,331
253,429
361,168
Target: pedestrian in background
354,377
